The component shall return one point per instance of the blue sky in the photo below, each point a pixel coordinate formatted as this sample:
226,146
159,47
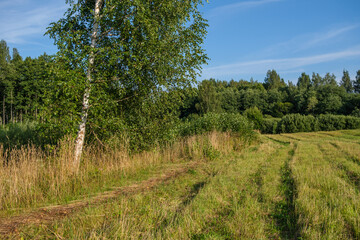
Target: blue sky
245,39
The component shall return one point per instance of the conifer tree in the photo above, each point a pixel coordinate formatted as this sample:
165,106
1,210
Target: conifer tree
346,82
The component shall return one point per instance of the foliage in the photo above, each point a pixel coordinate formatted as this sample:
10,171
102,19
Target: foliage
149,110
153,54
17,135
357,82
208,97
223,122
346,82
293,123
329,122
270,125
273,80
255,116
318,95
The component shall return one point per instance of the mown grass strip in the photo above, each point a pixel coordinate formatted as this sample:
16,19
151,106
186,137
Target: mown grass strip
324,213
349,167
349,150
353,178
285,213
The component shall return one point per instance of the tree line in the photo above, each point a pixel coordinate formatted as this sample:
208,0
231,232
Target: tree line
37,89
313,95
32,89
22,83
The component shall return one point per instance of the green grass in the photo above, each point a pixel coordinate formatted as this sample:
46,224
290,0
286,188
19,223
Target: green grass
288,186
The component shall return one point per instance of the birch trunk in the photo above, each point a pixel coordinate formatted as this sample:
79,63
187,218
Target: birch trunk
84,113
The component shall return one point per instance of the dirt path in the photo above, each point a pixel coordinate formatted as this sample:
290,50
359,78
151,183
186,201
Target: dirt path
51,213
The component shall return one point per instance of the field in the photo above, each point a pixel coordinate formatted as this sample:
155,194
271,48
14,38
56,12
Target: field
287,186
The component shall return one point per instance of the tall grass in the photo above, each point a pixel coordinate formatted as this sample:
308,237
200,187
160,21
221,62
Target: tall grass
32,177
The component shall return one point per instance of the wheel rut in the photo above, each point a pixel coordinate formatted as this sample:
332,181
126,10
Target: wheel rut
46,215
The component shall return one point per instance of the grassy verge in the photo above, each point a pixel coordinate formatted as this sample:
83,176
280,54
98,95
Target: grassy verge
30,178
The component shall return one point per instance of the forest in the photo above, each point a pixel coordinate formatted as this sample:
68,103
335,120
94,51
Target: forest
33,92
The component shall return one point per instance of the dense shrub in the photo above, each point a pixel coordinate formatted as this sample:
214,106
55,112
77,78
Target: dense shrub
352,122
270,125
217,121
329,122
292,123
255,116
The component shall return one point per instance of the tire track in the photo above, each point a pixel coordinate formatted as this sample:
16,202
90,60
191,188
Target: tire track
285,215
49,214
347,155
278,141
351,177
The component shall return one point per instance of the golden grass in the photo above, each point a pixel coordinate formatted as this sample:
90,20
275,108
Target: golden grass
30,177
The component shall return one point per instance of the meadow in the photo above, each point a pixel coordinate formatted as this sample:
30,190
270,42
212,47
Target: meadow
210,186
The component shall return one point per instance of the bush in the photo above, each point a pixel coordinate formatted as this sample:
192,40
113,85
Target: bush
255,116
293,123
270,125
222,122
329,122
352,122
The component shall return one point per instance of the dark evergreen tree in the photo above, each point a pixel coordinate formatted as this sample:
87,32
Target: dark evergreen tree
273,80
357,82
303,81
346,82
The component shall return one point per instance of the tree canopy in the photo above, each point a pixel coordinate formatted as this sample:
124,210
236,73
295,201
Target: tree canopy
121,50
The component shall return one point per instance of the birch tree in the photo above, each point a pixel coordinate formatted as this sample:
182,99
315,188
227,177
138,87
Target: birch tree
116,50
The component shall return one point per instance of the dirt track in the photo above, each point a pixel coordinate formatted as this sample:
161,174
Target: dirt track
48,214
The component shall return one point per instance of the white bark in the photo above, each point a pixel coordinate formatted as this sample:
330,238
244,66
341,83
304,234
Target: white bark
84,113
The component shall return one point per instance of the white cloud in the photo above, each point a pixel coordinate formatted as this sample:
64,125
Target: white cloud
238,6
17,26
281,65
308,41
333,33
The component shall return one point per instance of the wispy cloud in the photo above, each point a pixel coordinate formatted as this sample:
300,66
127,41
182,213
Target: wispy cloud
7,3
284,64
17,26
239,6
309,40
333,33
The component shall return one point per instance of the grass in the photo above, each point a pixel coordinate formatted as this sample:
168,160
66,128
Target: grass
288,186
30,177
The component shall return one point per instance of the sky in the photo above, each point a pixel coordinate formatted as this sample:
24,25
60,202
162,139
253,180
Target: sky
246,38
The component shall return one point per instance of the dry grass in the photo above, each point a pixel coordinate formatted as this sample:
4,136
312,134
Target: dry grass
30,177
